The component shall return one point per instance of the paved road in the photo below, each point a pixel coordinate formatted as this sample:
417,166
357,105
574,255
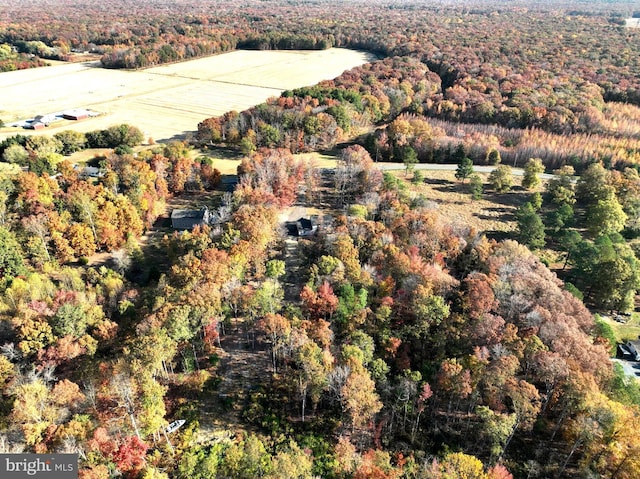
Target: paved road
453,167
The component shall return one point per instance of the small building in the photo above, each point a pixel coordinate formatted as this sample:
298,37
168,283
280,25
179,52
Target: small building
35,125
76,114
306,226
189,219
46,119
91,172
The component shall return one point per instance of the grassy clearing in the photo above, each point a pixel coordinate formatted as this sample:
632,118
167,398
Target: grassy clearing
84,156
493,214
225,160
625,331
319,160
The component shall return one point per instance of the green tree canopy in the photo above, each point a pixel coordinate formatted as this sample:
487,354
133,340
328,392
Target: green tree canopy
475,185
530,227
561,189
465,169
607,271
11,260
15,153
592,186
275,268
72,141
501,179
493,157
409,158
531,171
605,216
560,218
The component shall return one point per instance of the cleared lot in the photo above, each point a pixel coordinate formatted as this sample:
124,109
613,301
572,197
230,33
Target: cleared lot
169,100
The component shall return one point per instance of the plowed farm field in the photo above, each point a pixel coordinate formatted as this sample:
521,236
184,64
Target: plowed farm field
166,101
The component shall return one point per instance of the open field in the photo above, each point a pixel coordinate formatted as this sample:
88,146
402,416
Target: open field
166,101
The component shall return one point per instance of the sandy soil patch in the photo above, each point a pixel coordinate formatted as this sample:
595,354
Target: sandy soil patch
166,101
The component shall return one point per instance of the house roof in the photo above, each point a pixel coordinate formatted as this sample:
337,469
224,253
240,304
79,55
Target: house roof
76,112
50,118
179,214
305,223
187,219
92,171
635,344
630,350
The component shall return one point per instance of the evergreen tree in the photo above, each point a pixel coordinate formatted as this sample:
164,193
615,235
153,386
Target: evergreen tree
592,185
465,169
608,272
476,187
560,189
606,216
459,153
493,157
409,158
536,201
560,218
530,227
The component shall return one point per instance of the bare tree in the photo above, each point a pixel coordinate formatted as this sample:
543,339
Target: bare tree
37,226
121,385
9,351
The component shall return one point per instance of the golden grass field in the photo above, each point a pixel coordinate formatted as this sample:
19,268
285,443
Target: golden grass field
166,101
493,214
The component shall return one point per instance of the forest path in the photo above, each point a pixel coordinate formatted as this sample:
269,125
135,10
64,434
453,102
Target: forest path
242,368
293,262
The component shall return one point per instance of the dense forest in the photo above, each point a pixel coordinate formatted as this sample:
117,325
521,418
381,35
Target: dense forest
394,342
413,346
481,51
